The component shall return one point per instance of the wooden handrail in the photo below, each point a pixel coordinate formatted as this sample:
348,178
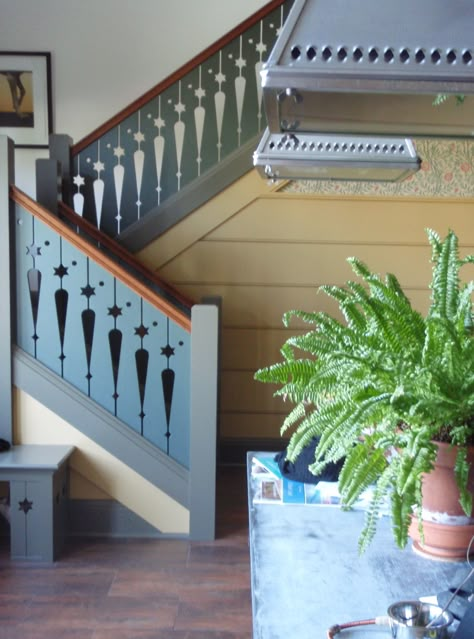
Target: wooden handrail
122,254
179,316
176,76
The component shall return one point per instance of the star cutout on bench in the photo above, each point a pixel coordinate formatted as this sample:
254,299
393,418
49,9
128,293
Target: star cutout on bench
25,505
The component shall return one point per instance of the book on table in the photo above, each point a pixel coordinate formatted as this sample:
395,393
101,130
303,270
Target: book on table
271,486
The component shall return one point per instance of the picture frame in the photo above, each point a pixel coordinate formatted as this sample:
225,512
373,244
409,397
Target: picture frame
25,97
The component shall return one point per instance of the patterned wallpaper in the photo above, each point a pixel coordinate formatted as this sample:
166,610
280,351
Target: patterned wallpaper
447,170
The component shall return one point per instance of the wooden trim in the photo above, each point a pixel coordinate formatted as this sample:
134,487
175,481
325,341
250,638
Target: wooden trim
178,316
123,254
362,197
176,76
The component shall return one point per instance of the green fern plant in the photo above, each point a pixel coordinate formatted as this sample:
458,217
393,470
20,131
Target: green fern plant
379,388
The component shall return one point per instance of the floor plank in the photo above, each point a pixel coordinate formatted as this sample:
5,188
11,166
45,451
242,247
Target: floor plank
138,589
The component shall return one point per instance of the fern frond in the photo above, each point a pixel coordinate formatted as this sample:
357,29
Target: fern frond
380,493
402,509
282,372
461,472
362,468
308,317
293,418
441,98
445,280
418,459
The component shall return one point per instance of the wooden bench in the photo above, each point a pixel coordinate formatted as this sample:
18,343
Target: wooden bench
38,478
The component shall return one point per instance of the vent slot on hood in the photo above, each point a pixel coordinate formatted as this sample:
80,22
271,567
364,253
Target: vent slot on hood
381,54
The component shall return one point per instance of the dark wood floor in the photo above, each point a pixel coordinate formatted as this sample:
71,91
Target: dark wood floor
138,589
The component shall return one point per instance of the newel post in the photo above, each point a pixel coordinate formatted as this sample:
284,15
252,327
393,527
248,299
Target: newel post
48,184
204,401
53,174
60,149
7,286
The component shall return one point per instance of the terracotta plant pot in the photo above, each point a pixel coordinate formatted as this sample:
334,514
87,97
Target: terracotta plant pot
447,529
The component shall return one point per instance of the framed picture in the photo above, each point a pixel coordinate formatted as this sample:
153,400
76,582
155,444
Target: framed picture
25,97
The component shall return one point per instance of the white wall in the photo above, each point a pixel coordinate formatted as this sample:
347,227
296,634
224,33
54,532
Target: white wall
107,53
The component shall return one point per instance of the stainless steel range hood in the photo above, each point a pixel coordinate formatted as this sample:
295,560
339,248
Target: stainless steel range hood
335,157
372,67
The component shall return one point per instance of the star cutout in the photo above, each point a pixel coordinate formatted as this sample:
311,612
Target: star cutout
159,122
200,93
33,250
25,505
88,291
220,78
99,166
119,151
141,331
240,63
78,180
168,351
139,137
114,310
61,270
179,108
261,48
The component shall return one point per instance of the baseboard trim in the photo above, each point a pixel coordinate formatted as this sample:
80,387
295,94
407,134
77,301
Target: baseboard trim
104,518
234,451
109,518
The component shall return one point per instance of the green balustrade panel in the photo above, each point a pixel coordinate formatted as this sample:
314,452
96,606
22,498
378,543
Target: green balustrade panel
93,331
177,136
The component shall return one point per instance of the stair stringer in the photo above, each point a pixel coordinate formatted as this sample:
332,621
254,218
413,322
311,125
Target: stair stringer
120,441
177,207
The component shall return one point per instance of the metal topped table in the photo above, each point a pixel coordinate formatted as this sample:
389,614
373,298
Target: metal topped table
307,575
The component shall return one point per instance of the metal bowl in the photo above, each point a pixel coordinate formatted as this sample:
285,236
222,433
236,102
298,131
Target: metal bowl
418,620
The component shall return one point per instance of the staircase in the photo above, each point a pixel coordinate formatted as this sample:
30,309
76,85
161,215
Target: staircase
110,360
107,357
181,143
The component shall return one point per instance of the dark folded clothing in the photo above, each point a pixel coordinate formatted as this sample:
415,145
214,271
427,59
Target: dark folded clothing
299,471
4,445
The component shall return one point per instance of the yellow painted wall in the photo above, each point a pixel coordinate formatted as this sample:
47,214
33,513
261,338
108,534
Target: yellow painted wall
266,253
95,473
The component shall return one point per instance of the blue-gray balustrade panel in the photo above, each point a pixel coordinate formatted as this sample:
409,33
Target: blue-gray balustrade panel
88,327
177,136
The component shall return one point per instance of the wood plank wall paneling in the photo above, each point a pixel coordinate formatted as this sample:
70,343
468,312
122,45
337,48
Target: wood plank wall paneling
246,426
245,347
347,220
271,255
263,306
294,264
206,219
